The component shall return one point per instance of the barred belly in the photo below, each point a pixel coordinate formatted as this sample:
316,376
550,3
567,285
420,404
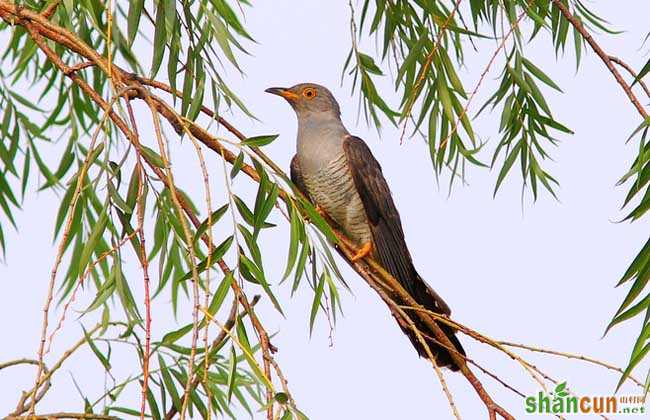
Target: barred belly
332,188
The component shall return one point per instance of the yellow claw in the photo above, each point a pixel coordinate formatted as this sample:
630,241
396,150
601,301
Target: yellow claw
320,211
364,251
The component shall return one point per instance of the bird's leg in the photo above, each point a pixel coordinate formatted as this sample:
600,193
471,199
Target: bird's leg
363,252
321,212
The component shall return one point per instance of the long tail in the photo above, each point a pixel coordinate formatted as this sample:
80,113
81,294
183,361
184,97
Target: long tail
430,300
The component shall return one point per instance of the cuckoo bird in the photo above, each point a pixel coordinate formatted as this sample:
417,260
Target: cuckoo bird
337,172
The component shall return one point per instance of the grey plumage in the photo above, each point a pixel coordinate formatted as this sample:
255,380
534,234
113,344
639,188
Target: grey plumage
338,172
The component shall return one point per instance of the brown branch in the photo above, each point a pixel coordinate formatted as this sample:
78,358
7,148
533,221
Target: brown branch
631,71
144,262
374,274
45,379
577,24
49,10
46,386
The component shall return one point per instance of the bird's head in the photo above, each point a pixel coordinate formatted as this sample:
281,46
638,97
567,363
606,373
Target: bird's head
308,99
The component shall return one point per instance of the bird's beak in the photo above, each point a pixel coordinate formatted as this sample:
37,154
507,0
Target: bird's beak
284,92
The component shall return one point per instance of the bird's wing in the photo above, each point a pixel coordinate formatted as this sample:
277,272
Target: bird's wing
385,223
296,177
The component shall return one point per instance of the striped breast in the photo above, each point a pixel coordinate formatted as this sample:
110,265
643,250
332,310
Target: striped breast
332,188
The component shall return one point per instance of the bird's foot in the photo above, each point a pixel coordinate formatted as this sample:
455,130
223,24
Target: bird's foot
321,212
363,252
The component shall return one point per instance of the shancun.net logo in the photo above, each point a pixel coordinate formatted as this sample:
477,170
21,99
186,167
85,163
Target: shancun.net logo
561,401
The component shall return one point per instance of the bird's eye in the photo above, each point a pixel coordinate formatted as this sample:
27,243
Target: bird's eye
309,93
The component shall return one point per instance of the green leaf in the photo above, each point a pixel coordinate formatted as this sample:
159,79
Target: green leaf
368,63
172,337
644,304
237,165
294,241
220,294
281,397
538,73
169,383
104,361
510,160
634,361
645,70
152,157
232,372
210,221
216,255
258,274
93,239
135,11
259,141
316,302
159,41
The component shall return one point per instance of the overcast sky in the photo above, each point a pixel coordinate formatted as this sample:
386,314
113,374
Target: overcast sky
538,273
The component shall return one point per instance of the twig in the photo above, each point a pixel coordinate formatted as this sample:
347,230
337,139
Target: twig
631,71
188,239
571,356
577,24
480,80
21,408
91,266
50,9
141,174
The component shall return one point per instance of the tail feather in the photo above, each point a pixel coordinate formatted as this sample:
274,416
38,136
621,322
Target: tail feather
430,300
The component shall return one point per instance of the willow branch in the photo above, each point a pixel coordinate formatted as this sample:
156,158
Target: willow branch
577,24
631,71
566,355
45,379
216,343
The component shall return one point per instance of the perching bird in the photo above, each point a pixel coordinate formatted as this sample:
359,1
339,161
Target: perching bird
339,174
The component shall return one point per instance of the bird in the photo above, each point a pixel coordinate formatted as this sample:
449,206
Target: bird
338,173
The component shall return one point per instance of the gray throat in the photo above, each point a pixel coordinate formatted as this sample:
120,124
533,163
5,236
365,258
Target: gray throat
320,140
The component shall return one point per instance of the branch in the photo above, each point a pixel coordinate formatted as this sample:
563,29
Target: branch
50,9
571,356
577,24
631,71
45,379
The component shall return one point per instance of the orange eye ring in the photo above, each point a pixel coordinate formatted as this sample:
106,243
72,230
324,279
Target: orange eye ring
309,93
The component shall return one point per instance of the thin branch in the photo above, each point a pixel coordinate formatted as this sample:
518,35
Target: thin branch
577,24
50,9
144,262
631,71
480,80
571,356
45,379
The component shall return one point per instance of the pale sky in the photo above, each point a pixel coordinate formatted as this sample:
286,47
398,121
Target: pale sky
539,273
